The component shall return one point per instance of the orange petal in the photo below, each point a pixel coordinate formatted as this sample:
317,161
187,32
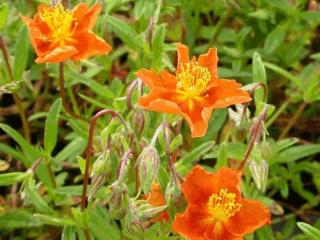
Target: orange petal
191,224
59,54
88,44
197,118
227,93
198,186
252,215
213,233
156,197
160,100
86,18
229,179
168,80
152,79
183,55
80,11
37,33
210,61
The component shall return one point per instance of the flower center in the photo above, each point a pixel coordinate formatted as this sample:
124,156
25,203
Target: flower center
193,80
222,206
59,21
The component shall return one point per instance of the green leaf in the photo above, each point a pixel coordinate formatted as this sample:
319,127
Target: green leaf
55,221
274,39
17,218
69,233
258,76
32,153
176,142
4,12
13,153
21,54
27,148
82,164
283,73
189,159
222,160
99,223
101,90
35,198
297,152
127,34
75,147
157,46
258,70
309,230
12,178
51,127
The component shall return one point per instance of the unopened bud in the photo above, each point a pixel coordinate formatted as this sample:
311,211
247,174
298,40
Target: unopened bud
124,166
100,165
118,202
276,209
174,196
259,171
148,165
133,223
147,211
135,229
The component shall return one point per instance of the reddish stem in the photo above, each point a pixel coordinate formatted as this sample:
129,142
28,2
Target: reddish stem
90,149
129,93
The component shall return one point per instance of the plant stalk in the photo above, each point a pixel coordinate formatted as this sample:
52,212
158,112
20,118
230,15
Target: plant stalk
63,95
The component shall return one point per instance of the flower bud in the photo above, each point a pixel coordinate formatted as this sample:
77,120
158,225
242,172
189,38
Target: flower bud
100,165
148,165
259,171
174,197
148,212
118,202
135,229
133,223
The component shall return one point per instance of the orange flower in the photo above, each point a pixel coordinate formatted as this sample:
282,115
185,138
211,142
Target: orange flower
193,92
156,199
58,34
216,210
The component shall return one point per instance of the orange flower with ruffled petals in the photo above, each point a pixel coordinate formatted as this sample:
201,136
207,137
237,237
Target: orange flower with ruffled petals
156,199
58,34
193,92
216,210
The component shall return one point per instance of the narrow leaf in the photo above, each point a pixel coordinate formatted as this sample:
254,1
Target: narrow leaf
51,127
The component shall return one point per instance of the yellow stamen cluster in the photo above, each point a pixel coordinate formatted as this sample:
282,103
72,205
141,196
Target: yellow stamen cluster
223,205
59,21
193,80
